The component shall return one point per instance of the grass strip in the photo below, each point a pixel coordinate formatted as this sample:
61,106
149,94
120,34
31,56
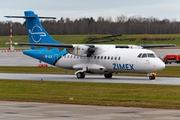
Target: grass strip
82,39
106,94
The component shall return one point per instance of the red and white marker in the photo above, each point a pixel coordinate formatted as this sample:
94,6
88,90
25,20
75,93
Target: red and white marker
11,46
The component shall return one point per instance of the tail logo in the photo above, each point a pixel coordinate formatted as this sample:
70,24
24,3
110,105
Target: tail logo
37,34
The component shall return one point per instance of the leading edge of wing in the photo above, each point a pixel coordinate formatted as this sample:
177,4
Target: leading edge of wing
29,17
46,45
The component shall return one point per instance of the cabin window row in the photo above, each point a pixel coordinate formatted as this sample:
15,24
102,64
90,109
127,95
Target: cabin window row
94,57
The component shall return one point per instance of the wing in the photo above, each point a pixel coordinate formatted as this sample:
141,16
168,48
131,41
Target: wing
75,49
89,49
157,45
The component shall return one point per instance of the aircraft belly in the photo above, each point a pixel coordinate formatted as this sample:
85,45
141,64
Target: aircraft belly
89,65
63,63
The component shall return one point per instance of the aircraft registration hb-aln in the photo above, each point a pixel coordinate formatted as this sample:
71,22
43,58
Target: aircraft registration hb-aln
88,58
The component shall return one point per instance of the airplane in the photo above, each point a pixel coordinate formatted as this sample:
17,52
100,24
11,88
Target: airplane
88,58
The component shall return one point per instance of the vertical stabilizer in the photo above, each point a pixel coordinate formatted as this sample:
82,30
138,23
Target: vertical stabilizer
36,33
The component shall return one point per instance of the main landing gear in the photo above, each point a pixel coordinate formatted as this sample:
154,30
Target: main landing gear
80,75
152,76
108,75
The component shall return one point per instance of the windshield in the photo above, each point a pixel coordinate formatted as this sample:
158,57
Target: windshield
151,55
144,55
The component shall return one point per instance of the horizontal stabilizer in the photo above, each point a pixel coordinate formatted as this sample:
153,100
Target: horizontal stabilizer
43,45
29,17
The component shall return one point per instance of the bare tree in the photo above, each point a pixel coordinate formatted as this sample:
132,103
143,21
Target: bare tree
121,25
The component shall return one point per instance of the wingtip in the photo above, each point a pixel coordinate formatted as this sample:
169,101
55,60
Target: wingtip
8,16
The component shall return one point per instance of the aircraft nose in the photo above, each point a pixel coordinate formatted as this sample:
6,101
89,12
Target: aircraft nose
160,65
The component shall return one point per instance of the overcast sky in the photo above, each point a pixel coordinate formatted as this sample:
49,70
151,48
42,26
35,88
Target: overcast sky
74,9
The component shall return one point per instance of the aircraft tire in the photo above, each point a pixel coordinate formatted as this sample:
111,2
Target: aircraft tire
152,77
80,75
108,75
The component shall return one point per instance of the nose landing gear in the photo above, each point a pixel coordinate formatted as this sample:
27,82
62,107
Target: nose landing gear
152,76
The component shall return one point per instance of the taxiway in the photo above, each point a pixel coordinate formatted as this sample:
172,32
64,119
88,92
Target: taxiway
91,78
46,111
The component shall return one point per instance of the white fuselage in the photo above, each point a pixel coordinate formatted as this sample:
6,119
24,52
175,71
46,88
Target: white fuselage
108,59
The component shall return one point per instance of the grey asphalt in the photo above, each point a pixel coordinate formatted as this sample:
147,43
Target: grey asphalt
16,59
44,111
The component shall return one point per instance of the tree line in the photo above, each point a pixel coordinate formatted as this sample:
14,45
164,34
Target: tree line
121,25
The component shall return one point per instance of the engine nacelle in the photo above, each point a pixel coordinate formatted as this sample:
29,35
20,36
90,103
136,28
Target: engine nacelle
82,50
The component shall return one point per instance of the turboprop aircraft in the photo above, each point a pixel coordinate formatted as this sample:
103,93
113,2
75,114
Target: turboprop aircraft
88,58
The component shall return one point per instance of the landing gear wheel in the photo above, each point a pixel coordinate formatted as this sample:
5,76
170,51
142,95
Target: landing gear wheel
108,75
152,77
80,75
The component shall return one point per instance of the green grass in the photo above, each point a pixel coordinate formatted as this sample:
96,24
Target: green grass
82,39
127,95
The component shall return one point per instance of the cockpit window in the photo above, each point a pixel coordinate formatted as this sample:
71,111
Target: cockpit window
139,55
151,55
144,55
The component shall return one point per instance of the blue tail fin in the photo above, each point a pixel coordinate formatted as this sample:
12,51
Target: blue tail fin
36,33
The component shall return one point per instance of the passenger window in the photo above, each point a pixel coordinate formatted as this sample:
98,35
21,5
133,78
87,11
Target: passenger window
111,58
101,57
94,57
108,57
105,57
119,58
98,57
139,56
115,58
144,55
